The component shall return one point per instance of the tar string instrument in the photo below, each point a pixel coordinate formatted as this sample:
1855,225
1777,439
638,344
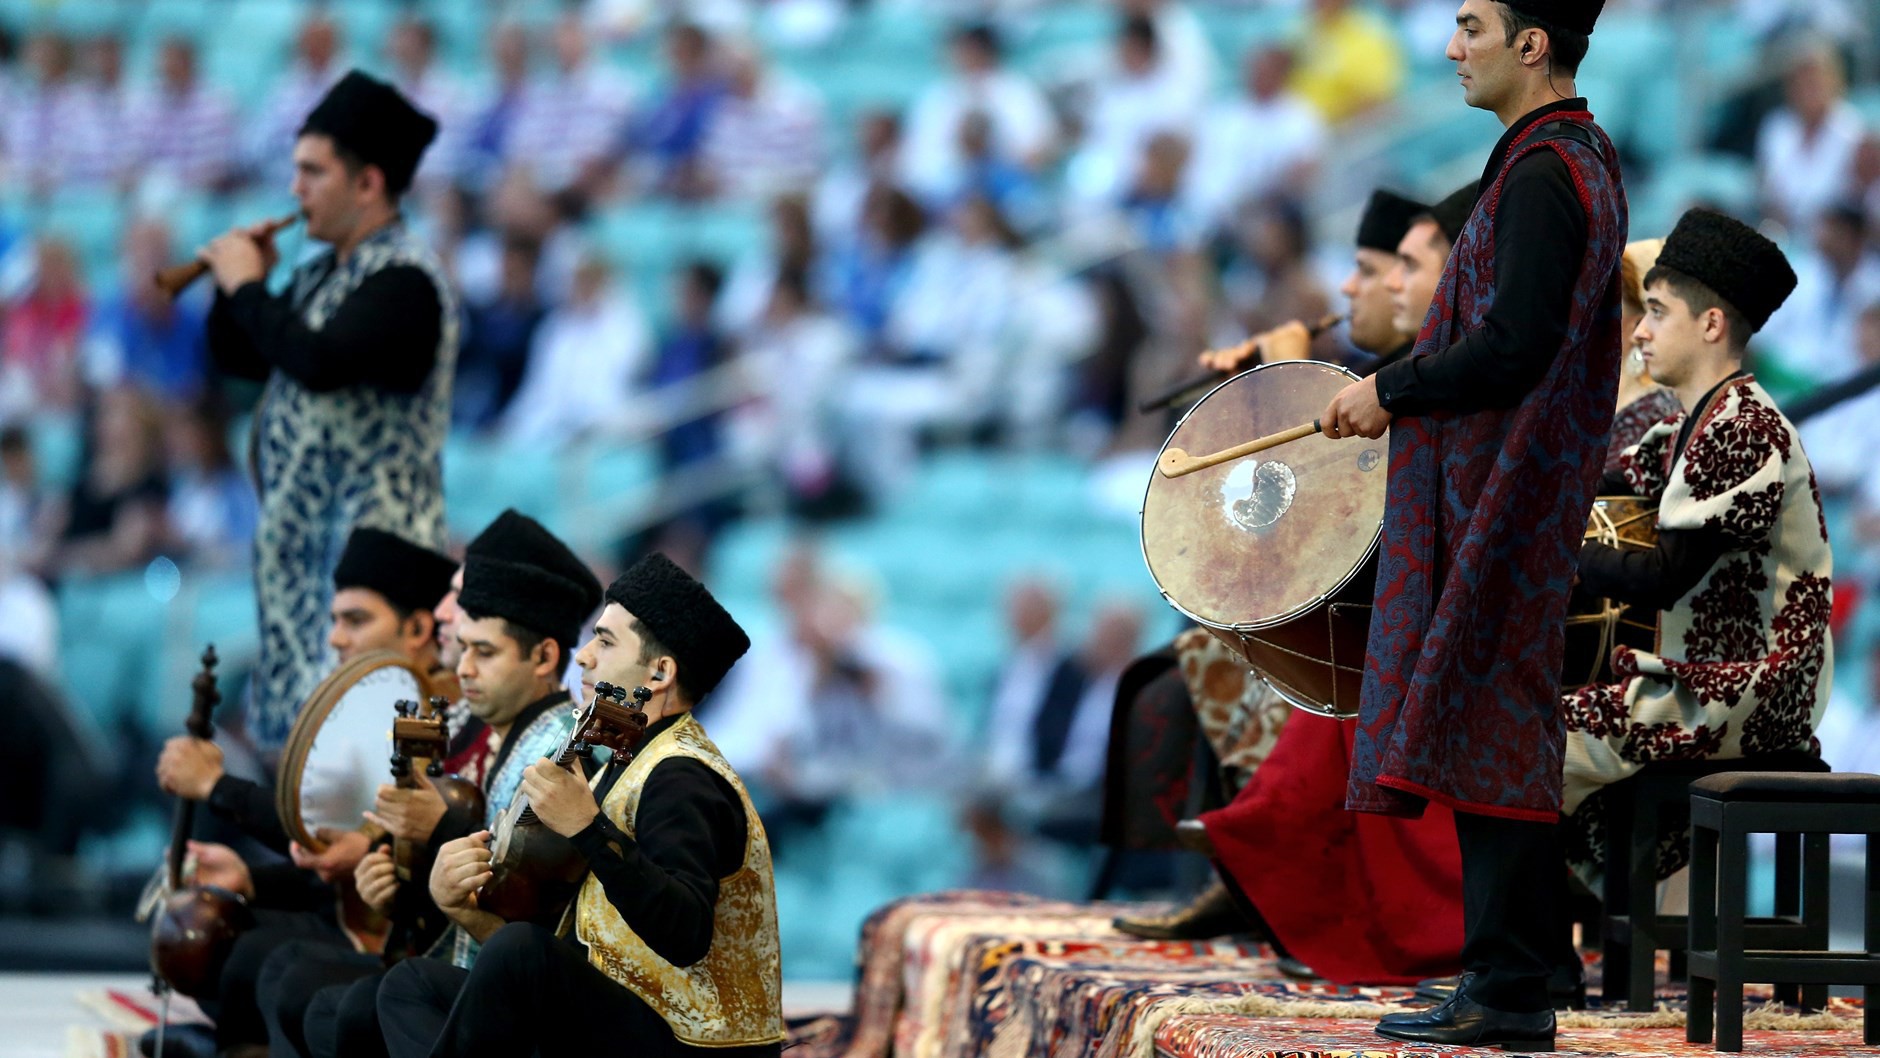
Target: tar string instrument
420,741
534,872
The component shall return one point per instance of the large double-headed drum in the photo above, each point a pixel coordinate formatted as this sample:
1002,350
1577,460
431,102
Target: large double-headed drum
1275,553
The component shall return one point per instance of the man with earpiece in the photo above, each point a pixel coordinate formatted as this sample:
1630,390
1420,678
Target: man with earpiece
671,946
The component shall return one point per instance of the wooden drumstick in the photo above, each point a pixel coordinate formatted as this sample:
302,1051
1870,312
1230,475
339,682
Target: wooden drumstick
1176,463
176,278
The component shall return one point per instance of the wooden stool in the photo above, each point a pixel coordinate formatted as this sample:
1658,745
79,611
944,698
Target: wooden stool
1634,931
1725,810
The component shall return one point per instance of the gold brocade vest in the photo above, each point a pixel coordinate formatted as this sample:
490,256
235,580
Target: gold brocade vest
734,995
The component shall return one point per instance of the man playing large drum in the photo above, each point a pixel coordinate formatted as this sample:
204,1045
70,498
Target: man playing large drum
1498,425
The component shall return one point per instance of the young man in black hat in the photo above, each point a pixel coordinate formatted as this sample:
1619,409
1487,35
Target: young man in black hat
671,945
357,354
517,615
1740,573
384,589
1498,423
1421,255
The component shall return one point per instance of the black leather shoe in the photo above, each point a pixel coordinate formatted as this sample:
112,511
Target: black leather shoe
1462,1022
1212,914
193,1040
1297,970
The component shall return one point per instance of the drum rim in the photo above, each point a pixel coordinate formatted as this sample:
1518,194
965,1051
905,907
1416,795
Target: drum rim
1142,542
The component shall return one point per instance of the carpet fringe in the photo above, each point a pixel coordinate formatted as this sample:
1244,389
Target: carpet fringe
1770,1017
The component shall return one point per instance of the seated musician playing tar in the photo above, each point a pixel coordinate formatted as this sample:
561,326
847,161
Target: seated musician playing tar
1741,569
671,944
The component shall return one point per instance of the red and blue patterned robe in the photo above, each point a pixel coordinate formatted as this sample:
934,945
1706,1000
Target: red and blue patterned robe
1482,531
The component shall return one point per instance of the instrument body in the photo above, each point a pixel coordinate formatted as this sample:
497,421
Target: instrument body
534,872
194,927
421,734
1595,625
174,279
1276,556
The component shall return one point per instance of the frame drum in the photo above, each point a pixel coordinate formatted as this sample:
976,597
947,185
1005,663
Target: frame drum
1275,553
1595,625
339,750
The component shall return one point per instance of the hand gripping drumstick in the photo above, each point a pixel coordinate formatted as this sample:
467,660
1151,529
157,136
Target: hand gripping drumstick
1182,390
176,278
1176,463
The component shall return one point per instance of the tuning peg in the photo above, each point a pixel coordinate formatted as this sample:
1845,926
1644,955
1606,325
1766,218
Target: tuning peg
642,695
440,705
209,658
604,689
435,768
619,695
583,748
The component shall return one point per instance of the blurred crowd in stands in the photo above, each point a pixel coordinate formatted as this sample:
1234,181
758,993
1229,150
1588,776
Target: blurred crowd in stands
690,216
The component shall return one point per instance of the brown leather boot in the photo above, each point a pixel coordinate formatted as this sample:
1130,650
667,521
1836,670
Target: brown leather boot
1212,914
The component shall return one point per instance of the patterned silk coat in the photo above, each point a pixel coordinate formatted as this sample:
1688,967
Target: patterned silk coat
1482,525
1744,660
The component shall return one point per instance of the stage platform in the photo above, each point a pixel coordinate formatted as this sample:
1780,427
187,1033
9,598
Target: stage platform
988,975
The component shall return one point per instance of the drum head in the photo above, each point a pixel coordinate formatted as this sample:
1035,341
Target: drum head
1254,542
340,749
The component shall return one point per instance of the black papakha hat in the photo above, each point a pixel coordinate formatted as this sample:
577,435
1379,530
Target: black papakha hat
1452,213
1386,217
376,122
1576,15
682,615
520,572
409,576
1731,258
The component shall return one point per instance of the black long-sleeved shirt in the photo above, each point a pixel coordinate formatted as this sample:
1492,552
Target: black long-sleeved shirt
1401,352
1540,244
689,833
384,334
250,806
1657,578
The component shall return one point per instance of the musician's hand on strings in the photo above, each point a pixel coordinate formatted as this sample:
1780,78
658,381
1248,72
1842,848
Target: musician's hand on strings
462,866
562,801
189,767
219,865
1355,412
344,849
376,878
235,258
409,814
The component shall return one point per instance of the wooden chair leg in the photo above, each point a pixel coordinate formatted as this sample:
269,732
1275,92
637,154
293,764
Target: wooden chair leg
1732,895
1642,907
1702,931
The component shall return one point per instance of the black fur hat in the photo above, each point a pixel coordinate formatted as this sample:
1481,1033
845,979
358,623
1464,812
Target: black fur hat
376,122
519,571
1452,213
409,576
1576,15
682,615
1731,258
1386,217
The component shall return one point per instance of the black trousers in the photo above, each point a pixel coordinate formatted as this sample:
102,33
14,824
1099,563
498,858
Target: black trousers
289,979
1513,904
236,1007
530,992
343,1020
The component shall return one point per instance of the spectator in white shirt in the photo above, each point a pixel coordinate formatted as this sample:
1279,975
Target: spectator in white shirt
185,130
315,68
877,162
1183,41
582,361
1031,612
40,110
1816,332
1841,441
1023,129
765,135
1144,96
1805,150
484,149
798,361
573,115
1265,142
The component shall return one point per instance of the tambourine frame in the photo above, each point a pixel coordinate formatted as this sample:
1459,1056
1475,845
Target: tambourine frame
307,725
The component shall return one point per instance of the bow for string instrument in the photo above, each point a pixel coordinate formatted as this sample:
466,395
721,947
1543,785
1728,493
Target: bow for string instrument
196,925
422,734
534,871
176,278
1192,387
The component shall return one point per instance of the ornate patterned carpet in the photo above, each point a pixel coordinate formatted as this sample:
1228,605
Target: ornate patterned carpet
992,975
